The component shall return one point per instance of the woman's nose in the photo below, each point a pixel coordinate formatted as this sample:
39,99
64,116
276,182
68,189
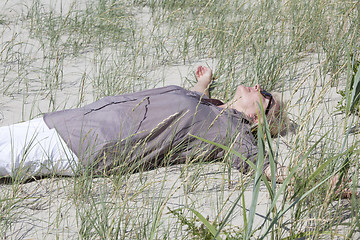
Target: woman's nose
257,87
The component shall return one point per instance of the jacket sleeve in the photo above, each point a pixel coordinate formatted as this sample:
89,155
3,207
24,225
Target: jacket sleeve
245,146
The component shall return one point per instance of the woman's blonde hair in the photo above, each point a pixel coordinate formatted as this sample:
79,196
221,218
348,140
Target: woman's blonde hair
277,116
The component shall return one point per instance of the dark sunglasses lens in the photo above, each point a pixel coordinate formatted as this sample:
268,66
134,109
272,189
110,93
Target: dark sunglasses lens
266,94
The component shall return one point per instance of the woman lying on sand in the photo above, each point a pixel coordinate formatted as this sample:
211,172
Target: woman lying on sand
138,130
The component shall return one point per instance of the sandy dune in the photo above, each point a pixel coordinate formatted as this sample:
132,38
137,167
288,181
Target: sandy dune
55,208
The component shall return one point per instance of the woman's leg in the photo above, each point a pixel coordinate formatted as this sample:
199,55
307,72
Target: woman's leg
32,149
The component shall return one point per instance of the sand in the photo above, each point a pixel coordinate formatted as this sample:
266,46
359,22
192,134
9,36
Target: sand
50,208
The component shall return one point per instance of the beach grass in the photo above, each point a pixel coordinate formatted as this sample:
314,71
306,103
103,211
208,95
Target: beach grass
63,54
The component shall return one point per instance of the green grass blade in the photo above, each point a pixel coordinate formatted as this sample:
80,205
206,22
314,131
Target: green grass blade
285,184
292,173
355,96
207,224
256,189
251,164
227,217
279,215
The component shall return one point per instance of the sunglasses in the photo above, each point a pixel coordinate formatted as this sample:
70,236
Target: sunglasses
268,96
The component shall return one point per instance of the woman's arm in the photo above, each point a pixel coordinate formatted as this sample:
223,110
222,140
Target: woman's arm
203,77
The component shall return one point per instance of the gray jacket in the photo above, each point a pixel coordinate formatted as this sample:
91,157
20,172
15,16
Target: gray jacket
152,128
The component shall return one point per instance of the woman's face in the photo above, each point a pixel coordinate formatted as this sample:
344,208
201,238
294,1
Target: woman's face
248,100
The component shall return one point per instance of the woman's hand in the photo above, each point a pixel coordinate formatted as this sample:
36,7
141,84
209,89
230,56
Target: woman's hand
203,77
341,189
